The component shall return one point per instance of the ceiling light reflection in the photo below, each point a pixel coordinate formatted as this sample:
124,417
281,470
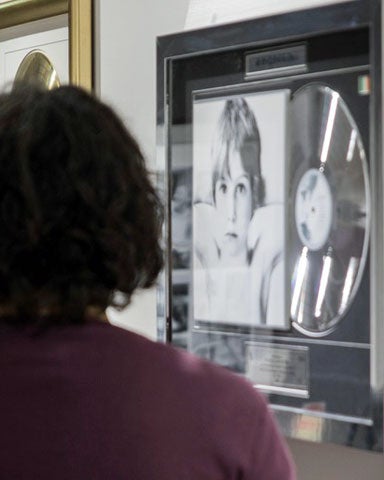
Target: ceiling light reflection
300,276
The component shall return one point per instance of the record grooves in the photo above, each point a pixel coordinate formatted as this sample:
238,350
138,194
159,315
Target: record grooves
329,203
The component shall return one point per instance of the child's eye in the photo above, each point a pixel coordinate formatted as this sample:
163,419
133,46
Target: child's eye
223,188
241,188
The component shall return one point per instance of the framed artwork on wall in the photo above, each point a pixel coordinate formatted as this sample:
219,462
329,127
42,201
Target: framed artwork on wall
270,164
67,48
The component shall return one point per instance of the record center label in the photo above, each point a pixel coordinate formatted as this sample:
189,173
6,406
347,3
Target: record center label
313,209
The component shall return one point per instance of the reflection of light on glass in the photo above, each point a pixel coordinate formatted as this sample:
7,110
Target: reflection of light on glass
302,304
329,128
327,262
352,144
52,82
301,271
361,150
349,278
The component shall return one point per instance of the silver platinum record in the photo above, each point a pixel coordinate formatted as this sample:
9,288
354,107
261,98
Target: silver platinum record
329,189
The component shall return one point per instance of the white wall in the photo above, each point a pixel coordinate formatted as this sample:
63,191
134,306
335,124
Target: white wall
125,64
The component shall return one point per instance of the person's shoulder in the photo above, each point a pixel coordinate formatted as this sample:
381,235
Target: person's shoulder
175,365
127,343
210,402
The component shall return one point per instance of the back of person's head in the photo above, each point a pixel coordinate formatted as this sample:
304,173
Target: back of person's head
79,217
237,131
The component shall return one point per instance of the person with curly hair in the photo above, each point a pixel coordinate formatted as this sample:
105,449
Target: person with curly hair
80,226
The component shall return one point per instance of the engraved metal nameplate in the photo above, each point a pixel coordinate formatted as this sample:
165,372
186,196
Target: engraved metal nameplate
276,61
282,369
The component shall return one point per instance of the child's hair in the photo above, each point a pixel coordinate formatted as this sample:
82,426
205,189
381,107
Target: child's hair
237,131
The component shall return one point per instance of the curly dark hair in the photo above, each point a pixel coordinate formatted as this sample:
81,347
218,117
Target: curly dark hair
79,217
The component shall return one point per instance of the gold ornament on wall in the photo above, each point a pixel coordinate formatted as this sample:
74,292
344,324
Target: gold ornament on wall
37,69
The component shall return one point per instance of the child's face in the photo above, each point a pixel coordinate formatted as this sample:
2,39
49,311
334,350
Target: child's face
233,199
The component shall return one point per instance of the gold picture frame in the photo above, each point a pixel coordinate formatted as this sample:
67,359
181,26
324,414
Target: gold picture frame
19,12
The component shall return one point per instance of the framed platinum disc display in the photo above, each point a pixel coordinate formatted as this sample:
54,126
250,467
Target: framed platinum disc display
270,165
330,201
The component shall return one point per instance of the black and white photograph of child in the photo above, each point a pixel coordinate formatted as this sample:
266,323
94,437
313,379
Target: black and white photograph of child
239,160
181,206
180,314
181,211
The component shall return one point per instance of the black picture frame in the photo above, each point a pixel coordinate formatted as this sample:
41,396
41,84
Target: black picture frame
338,38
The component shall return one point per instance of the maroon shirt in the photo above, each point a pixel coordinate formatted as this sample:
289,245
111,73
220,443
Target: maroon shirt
97,402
